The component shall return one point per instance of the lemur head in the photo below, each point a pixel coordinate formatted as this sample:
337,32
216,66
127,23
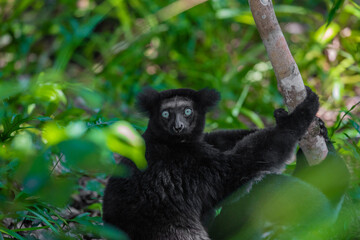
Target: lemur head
177,114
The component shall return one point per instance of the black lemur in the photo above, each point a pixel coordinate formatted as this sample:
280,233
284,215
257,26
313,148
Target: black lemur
189,172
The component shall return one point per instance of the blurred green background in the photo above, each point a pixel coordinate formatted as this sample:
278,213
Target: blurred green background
70,71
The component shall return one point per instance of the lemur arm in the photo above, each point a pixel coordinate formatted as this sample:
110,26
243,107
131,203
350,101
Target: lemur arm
267,149
226,139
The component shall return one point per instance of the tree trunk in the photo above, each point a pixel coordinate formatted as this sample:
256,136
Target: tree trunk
287,74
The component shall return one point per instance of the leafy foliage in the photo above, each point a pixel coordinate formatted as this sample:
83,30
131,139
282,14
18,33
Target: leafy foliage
69,72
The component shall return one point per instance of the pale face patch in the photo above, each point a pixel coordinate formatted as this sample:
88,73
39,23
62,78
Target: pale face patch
177,115
176,102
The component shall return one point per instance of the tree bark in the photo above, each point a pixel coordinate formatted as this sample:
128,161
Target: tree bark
287,74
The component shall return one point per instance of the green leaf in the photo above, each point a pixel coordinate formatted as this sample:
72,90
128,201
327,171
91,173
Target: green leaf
92,98
46,222
11,233
65,187
94,185
106,231
355,125
36,175
10,125
80,153
76,129
50,92
23,143
74,39
52,133
95,206
123,14
290,9
326,33
336,6
236,110
122,138
9,89
337,126
30,229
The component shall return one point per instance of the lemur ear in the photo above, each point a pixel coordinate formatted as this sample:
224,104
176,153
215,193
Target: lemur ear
208,98
147,99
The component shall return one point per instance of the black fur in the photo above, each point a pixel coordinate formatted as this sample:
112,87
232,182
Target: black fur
149,99
306,202
190,173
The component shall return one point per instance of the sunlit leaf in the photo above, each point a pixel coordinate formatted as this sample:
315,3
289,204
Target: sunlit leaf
50,92
136,154
122,138
246,19
326,33
229,13
124,131
290,9
236,110
76,129
23,143
95,206
123,14
53,133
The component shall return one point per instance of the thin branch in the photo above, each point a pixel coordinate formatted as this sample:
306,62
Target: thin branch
57,162
287,74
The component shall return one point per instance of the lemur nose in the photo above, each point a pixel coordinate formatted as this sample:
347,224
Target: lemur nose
178,127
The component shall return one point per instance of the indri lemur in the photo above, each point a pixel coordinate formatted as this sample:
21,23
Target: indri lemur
189,172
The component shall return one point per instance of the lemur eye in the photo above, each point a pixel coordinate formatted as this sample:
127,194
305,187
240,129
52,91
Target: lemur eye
188,111
165,114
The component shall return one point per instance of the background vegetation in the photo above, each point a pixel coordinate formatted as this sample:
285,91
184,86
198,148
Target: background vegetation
70,70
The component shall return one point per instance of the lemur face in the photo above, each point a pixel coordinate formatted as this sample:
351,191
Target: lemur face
177,115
